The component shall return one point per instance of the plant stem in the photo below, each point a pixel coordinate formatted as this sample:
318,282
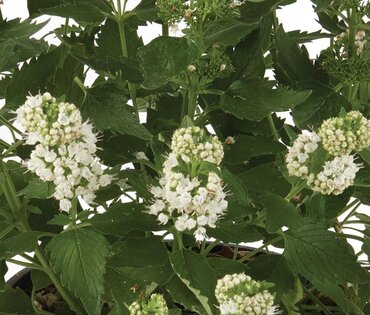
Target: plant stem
8,229
257,250
178,237
23,264
273,127
9,125
211,246
316,300
12,148
296,189
203,247
164,29
235,255
124,48
356,203
192,102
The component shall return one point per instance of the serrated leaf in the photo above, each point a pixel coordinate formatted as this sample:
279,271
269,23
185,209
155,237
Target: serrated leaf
15,301
18,244
235,185
230,231
316,253
79,256
279,213
255,99
224,266
106,105
3,272
60,219
120,219
164,57
227,32
80,10
38,189
15,29
274,268
365,154
246,147
195,272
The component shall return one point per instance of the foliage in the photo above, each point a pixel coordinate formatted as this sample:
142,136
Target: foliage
177,155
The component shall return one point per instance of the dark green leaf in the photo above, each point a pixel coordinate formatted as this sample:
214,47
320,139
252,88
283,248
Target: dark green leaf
365,154
246,147
80,10
79,255
19,244
106,105
337,294
274,268
3,272
301,37
15,301
60,219
265,178
224,266
254,10
227,32
316,253
321,5
181,294
322,104
40,280
164,57
235,186
32,78
146,10
194,270
255,99
120,219
38,189
366,247
15,29
230,231
279,213
363,177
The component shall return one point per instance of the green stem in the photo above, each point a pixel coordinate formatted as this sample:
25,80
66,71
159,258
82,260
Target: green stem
354,237
211,246
236,250
273,128
354,90
185,100
65,30
9,125
124,48
12,148
165,30
178,237
192,102
23,264
203,247
296,189
356,203
5,144
257,250
8,229
82,86
316,300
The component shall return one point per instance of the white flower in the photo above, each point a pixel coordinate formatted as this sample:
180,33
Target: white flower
162,218
65,205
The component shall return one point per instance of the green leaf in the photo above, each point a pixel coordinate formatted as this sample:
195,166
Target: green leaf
255,99
235,185
224,266
336,293
246,147
79,256
15,301
15,29
274,268
265,178
181,294
366,247
165,57
256,9
122,218
194,270
18,244
363,177
365,154
279,213
316,253
230,231
32,78
40,280
322,104
227,32
38,189
60,219
321,5
3,272
80,10
106,105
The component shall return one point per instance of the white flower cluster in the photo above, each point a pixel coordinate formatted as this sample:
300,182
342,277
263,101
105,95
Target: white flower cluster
49,122
238,294
298,155
68,157
336,176
191,201
236,3
156,305
341,136
193,142
360,41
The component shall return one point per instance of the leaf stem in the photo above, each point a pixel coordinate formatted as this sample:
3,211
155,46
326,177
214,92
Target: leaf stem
23,263
296,189
211,246
192,100
257,250
10,126
273,127
124,48
12,148
356,203
316,300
